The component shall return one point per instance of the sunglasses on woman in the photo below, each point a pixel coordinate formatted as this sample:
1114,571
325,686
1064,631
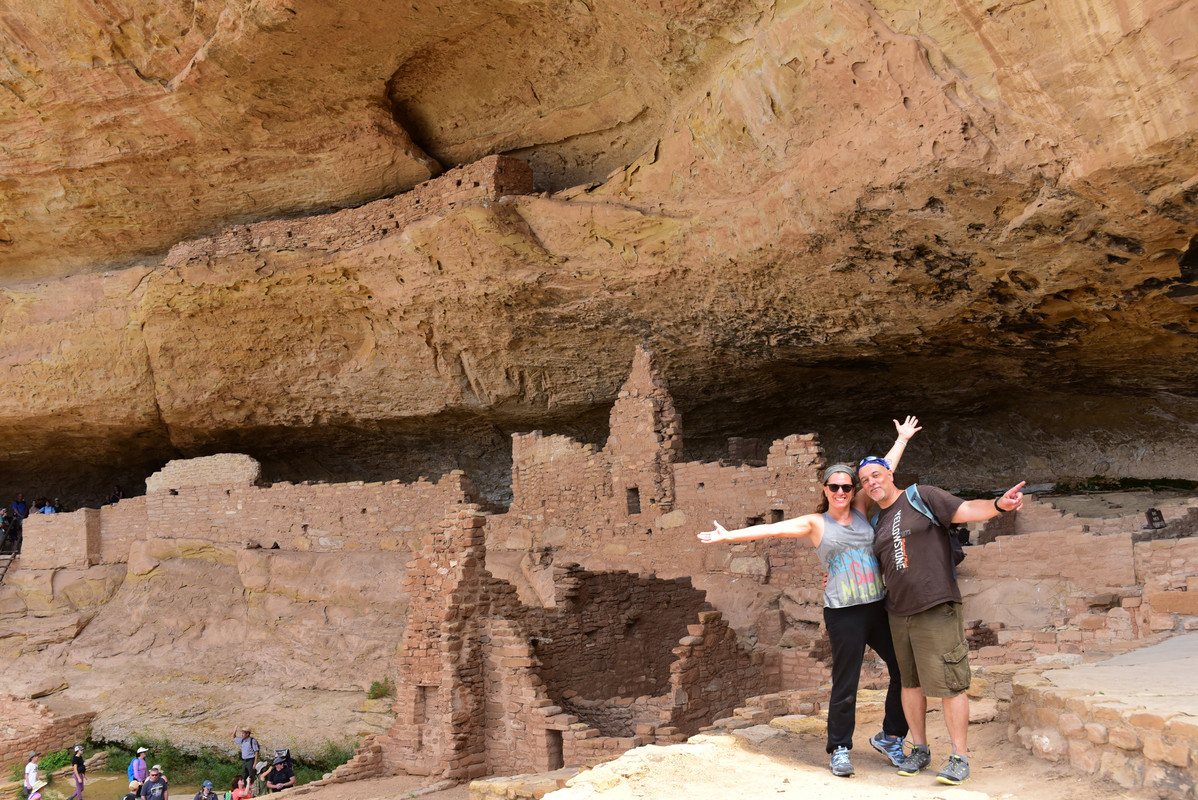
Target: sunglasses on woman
839,487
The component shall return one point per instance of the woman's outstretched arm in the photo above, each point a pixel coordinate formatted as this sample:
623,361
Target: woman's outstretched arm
799,526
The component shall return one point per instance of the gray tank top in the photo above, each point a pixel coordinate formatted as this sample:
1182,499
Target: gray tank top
847,553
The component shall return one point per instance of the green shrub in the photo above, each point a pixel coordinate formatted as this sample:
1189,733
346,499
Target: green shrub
383,688
51,761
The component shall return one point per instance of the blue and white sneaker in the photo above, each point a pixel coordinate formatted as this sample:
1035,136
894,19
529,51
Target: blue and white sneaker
889,746
841,766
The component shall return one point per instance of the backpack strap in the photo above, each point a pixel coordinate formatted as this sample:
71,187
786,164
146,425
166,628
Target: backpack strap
919,505
916,502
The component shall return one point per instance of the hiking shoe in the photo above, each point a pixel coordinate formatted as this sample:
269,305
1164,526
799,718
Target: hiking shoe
919,757
889,746
841,766
955,771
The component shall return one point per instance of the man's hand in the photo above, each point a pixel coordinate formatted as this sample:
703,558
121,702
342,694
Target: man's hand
908,428
1012,499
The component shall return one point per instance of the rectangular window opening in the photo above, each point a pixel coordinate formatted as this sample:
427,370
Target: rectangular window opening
633,496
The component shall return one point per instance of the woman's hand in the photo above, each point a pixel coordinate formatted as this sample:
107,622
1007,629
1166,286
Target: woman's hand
718,535
908,428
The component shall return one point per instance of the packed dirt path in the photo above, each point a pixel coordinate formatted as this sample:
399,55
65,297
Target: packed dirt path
725,767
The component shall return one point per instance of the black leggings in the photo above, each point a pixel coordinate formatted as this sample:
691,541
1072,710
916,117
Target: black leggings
850,629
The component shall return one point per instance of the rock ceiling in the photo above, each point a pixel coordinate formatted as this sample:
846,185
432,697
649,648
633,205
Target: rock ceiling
821,214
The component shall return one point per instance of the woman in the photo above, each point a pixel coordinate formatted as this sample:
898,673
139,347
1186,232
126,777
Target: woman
79,768
240,790
853,607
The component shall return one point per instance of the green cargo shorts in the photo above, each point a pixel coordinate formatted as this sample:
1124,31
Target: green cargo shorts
932,651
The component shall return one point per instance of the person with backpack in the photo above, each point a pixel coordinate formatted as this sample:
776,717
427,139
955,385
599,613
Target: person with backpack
854,614
913,545
249,751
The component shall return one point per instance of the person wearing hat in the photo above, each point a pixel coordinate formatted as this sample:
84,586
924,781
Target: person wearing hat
155,786
280,777
137,767
205,792
78,768
249,751
854,609
35,791
30,774
261,770
133,787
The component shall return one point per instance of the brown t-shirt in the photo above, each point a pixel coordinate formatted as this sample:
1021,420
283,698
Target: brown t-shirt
915,554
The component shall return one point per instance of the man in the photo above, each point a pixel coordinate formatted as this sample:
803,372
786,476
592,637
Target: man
20,507
281,777
249,752
924,603
155,786
137,767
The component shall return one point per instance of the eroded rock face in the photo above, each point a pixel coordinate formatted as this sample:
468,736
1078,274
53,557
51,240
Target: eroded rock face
821,217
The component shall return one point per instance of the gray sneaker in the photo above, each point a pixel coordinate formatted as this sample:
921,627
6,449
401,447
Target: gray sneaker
889,746
919,757
955,771
841,766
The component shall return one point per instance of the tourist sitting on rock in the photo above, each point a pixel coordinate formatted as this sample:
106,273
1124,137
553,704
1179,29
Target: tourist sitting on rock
280,777
854,610
155,786
138,770
205,792
114,496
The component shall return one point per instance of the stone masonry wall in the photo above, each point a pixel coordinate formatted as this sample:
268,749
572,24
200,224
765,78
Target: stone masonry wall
224,470
27,727
122,524
645,438
1134,746
317,517
485,180
611,633
53,541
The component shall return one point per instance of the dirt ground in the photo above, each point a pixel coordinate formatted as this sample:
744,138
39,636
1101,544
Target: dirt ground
795,765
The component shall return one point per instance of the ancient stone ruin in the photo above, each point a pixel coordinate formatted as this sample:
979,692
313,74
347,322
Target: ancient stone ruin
582,620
